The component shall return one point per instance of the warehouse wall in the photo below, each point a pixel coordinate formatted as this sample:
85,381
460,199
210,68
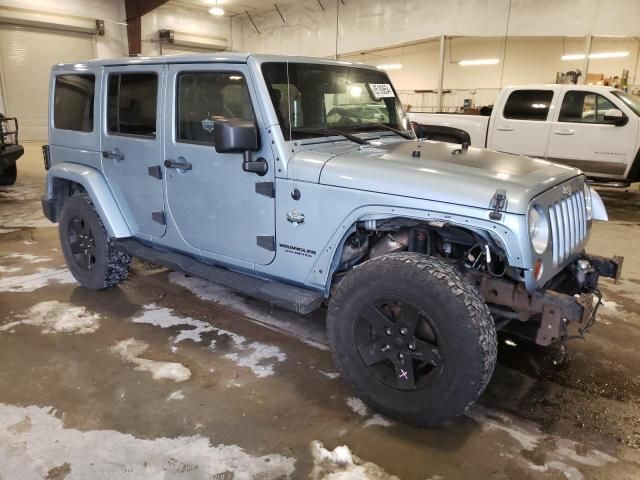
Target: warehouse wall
370,24
527,60
195,22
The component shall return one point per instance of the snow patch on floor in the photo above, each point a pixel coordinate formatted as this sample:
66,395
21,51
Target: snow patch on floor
529,436
4,269
177,395
288,321
58,317
34,281
33,442
357,406
331,375
260,358
341,464
27,257
378,420
130,351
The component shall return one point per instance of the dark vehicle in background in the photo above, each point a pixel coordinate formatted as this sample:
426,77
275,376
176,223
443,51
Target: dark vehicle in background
10,150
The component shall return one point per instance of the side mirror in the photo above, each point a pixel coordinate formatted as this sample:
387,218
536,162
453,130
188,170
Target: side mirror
235,136
240,136
615,117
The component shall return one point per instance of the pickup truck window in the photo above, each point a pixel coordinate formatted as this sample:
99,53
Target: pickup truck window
131,104
206,97
528,105
630,101
73,102
584,107
309,98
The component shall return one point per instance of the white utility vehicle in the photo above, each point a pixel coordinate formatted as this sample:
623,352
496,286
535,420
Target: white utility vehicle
593,128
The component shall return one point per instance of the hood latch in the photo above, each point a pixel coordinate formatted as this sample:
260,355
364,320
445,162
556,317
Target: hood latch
498,202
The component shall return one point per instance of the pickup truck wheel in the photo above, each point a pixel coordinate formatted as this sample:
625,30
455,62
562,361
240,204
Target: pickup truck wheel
88,250
9,175
414,339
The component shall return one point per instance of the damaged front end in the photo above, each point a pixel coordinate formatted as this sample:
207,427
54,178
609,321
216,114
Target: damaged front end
549,315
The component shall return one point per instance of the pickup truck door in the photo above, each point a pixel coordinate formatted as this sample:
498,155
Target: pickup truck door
520,125
581,137
132,144
216,206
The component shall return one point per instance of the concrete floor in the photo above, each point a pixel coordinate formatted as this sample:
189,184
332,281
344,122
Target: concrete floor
170,377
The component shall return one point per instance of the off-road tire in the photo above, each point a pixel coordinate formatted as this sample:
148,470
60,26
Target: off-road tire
466,332
111,264
9,175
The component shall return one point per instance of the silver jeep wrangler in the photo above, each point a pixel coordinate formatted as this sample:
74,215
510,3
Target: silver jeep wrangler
299,181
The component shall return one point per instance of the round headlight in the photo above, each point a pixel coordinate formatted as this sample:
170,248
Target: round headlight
538,229
587,201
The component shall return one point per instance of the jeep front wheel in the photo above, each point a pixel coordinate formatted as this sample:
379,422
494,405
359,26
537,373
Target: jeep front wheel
413,338
90,254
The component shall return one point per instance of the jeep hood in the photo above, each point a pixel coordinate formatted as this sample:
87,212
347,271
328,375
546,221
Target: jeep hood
439,173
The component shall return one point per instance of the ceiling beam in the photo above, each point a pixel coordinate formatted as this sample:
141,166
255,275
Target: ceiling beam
134,10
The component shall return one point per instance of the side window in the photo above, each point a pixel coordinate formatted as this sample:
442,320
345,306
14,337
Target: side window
584,107
73,102
206,97
131,104
528,105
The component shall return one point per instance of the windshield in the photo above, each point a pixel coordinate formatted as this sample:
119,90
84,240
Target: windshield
632,102
333,98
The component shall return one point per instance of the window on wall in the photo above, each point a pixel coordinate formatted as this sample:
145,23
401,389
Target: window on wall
205,98
131,104
528,105
73,102
584,107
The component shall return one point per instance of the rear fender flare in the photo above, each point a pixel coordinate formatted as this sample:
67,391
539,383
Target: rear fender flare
97,188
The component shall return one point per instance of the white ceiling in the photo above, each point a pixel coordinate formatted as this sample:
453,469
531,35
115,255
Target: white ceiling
237,7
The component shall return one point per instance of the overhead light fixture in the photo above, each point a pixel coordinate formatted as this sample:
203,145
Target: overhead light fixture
582,56
479,61
390,66
217,11
609,55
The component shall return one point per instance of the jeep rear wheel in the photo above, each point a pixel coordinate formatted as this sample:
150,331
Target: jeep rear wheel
9,175
88,250
414,339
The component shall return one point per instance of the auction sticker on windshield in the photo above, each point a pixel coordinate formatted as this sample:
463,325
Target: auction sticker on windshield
380,90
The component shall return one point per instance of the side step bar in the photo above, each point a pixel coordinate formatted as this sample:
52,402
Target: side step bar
296,299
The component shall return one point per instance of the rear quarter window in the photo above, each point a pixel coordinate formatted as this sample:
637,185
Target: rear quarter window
528,105
74,102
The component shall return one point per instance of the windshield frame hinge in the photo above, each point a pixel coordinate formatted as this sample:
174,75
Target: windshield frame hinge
498,202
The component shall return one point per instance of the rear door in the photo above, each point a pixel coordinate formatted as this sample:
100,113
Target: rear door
521,125
582,138
216,205
132,144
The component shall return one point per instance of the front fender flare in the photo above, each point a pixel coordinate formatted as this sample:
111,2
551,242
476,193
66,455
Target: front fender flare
505,232
97,188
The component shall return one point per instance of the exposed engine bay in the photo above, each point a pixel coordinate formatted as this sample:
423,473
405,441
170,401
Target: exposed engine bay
542,316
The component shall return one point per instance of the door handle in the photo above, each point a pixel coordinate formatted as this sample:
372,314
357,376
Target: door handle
180,164
564,131
114,154
505,129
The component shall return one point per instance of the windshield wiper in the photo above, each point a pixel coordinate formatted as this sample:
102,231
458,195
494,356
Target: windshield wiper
408,136
329,131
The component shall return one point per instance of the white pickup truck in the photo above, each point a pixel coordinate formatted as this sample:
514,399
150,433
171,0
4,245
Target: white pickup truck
593,128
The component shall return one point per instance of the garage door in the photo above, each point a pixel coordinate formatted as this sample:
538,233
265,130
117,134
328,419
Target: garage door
26,57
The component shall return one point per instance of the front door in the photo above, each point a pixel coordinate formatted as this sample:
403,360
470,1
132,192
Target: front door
132,145
582,138
521,126
216,206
